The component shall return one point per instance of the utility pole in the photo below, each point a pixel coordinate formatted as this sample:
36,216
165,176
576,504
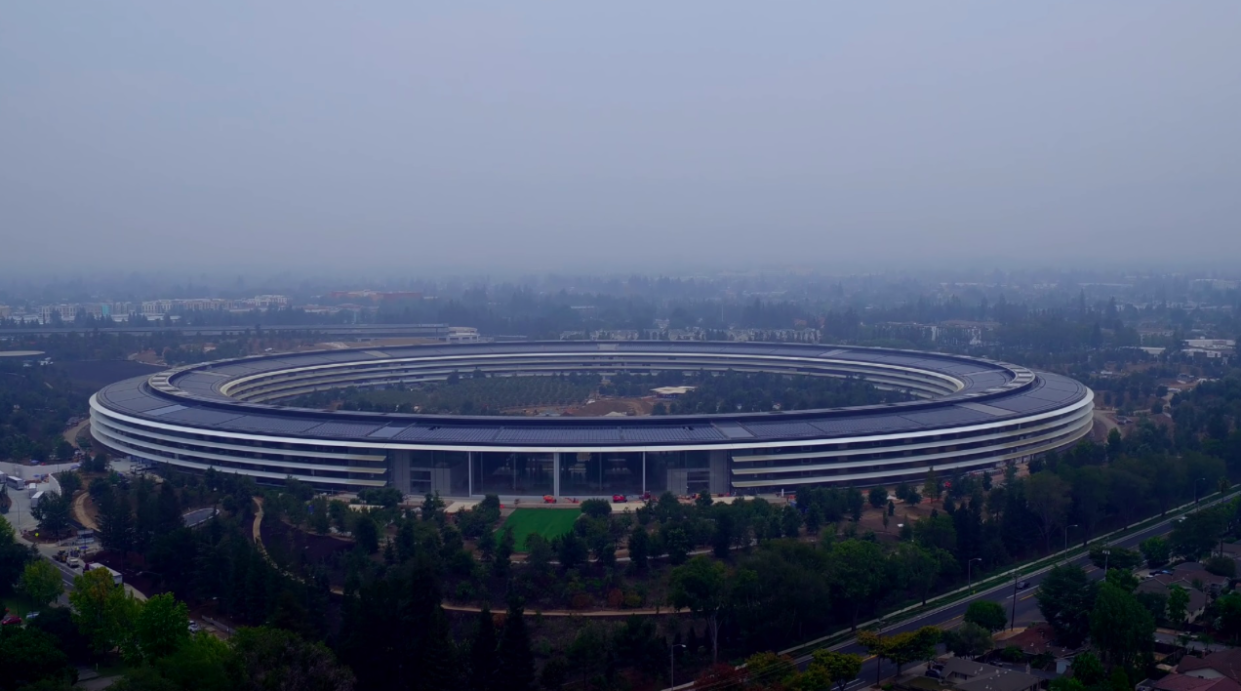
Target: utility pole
970,569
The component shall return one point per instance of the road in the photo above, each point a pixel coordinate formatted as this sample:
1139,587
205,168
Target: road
950,616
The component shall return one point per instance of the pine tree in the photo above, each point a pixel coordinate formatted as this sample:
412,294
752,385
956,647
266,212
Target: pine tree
515,671
483,654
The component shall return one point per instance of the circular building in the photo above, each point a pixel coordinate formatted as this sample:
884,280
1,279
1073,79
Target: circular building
967,413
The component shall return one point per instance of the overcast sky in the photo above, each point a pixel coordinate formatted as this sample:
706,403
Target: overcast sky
536,135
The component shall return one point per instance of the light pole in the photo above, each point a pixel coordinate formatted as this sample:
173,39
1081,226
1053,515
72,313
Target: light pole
1106,554
970,570
672,669
1196,502
1012,622
1066,540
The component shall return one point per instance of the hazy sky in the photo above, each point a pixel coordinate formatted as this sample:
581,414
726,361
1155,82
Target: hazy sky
578,135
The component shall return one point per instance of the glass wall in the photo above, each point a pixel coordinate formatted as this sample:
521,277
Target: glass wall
600,474
679,472
446,472
523,474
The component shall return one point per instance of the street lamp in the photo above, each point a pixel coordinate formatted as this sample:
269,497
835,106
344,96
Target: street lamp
1066,540
672,670
1012,622
970,570
1106,554
1196,503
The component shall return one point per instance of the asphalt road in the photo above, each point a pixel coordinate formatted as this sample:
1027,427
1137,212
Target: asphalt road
950,615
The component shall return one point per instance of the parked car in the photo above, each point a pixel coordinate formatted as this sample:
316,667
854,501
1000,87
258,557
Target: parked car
619,498
10,619
194,627
31,615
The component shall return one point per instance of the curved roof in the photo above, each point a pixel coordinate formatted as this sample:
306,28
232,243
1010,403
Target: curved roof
978,392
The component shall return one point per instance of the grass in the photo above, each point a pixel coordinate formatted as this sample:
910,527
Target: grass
549,523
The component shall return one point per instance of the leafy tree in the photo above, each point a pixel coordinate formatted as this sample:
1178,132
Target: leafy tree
1066,597
857,571
515,667
1178,604
1116,558
901,648
102,610
57,622
70,482
1228,608
200,663
596,508
639,547
52,513
1194,535
1088,669
32,658
41,582
790,521
116,520
1221,566
162,626
1156,550
699,586
878,497
839,668
320,519
1120,627
968,640
987,614
570,550
1125,580
269,658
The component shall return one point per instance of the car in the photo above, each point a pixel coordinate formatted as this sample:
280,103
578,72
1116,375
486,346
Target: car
549,499
194,627
1023,585
31,615
619,498
74,563
935,674
10,619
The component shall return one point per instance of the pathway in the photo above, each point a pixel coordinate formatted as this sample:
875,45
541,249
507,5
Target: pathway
71,435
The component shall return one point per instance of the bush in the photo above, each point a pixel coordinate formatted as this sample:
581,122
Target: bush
597,508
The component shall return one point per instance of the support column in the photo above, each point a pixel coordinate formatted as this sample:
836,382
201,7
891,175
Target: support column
556,475
470,462
644,473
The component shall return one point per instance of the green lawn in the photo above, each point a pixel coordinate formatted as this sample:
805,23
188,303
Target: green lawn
546,522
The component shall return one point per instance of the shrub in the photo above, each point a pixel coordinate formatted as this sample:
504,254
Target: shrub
597,508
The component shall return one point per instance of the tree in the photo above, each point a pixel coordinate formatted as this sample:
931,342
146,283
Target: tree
968,640
596,508
41,583
116,520
103,612
932,487
200,663
1116,558
1066,598
1178,603
269,658
1120,627
70,482
162,626
1195,534
31,657
13,557
1229,609
502,565
698,586
766,670
515,665
483,652
1156,550
1088,669
878,497
639,547
52,513
901,648
839,668
1048,498
366,533
987,614
857,572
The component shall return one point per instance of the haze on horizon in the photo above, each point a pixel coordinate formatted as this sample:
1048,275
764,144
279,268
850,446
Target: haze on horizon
580,137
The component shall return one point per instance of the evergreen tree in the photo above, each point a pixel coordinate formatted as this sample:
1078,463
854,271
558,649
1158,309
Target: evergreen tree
116,525
515,668
483,653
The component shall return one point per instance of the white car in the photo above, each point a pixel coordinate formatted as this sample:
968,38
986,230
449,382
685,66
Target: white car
194,627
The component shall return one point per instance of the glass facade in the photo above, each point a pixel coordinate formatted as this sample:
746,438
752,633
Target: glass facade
525,474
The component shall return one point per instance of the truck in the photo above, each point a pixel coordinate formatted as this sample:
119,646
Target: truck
15,482
116,575
35,499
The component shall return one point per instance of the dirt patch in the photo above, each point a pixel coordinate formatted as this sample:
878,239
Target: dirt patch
604,406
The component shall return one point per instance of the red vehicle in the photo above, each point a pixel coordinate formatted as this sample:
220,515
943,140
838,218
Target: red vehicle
549,499
619,498
10,619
